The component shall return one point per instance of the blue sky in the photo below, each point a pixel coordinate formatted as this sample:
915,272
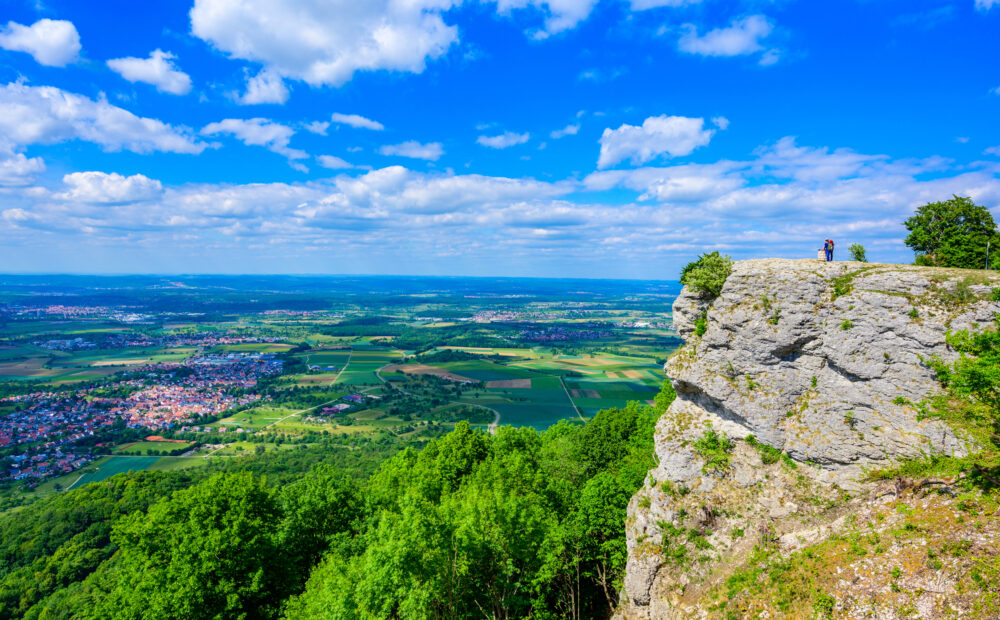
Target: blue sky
593,138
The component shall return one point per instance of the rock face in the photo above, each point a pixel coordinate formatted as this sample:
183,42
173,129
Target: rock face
822,361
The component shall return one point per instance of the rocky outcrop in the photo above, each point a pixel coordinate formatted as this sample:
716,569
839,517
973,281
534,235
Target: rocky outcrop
824,362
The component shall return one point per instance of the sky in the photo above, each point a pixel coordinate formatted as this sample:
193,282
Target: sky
548,138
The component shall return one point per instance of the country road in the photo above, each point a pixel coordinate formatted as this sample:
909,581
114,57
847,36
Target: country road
492,428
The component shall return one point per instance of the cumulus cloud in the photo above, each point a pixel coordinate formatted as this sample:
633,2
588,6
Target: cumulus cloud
354,120
324,42
742,37
993,150
258,132
674,136
504,140
431,151
559,15
569,130
158,70
777,201
15,168
317,127
643,5
103,188
51,42
265,87
986,5
334,163
46,115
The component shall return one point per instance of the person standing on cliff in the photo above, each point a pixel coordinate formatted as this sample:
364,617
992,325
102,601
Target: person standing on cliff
828,246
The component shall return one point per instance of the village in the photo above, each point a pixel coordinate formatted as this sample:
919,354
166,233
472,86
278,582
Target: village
46,427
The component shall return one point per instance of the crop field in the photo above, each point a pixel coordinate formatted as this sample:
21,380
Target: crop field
255,418
177,463
363,364
529,390
110,465
145,447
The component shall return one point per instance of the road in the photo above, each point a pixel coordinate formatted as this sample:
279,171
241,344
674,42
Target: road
575,408
492,428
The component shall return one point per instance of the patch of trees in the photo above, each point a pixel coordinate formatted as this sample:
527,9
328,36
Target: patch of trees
954,233
516,524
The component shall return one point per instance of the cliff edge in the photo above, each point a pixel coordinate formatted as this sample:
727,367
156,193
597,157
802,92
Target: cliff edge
792,384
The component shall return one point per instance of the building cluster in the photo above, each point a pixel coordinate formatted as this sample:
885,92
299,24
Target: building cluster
131,339
561,334
46,427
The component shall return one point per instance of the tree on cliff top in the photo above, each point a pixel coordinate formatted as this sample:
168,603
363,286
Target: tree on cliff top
707,274
952,233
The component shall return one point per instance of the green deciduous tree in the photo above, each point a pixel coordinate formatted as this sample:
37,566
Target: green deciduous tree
858,253
952,233
707,274
210,551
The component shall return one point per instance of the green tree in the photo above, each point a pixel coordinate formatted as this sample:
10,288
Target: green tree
707,274
209,551
858,252
952,233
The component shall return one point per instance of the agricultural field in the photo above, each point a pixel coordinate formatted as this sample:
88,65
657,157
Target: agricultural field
145,447
354,360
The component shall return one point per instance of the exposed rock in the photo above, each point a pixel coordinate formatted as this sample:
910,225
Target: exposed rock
822,361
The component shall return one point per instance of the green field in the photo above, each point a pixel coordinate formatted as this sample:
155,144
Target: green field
363,364
110,465
145,447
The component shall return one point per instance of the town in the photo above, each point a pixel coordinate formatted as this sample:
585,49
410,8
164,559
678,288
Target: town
50,431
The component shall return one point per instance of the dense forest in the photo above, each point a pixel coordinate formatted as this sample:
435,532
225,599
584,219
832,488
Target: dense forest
517,524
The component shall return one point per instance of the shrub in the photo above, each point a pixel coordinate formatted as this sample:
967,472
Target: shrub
714,447
701,324
707,274
847,324
858,252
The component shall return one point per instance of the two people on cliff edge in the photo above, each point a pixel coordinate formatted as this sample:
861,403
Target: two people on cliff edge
828,248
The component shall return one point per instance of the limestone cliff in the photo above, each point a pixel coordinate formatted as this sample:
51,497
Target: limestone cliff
820,361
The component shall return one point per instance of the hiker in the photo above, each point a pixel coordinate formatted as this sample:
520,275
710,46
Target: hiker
828,246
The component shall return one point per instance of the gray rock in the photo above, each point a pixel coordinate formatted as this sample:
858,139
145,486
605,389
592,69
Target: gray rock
827,378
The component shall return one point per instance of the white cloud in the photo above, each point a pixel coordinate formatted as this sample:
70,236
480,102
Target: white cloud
317,127
993,150
158,70
569,130
721,122
335,163
259,132
742,37
996,91
54,43
777,202
560,15
504,140
674,136
986,5
642,5
46,115
324,42
16,169
103,188
265,87
415,150
354,120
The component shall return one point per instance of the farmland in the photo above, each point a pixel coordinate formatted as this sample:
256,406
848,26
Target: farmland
221,373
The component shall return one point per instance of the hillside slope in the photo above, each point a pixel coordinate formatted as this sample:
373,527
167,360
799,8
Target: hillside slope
797,380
